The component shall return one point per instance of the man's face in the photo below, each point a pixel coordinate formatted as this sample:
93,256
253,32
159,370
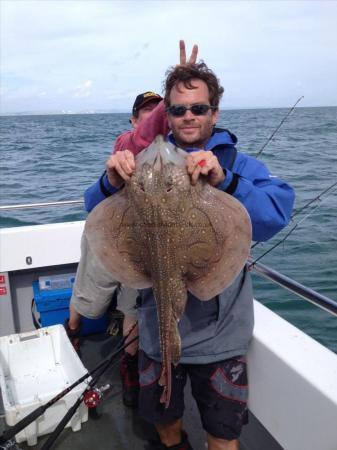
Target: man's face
190,130
144,112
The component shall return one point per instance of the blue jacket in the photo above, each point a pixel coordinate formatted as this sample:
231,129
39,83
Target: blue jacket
221,327
268,199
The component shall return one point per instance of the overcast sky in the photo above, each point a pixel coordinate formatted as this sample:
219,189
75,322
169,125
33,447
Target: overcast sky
98,55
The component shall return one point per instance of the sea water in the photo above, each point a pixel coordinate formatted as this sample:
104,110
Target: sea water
56,157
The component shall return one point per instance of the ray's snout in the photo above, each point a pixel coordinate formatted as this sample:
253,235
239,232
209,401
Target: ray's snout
158,163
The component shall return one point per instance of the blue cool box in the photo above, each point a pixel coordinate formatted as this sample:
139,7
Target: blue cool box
53,306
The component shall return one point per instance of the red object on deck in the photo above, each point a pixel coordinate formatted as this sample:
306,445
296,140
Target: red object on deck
92,399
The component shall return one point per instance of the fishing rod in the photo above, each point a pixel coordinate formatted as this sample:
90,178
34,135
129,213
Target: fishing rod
313,200
289,232
61,425
87,394
278,127
296,212
7,435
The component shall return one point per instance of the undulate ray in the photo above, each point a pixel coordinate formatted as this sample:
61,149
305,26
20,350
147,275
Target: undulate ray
161,231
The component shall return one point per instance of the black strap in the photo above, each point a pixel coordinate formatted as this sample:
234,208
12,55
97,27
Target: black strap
102,187
227,155
234,152
233,184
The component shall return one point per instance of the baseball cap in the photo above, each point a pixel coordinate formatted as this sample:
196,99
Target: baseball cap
144,98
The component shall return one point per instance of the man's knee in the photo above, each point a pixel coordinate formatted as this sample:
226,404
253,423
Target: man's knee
221,444
170,433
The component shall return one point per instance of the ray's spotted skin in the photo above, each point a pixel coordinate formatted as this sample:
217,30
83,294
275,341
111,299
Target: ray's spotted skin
161,231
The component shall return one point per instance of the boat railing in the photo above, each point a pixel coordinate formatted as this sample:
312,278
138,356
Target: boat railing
300,290
40,205
272,275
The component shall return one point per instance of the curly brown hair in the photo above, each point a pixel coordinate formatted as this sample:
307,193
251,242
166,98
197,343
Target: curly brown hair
186,74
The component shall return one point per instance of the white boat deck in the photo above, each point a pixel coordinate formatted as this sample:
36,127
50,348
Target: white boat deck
293,379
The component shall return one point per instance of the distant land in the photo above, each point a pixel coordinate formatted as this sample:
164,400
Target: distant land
62,112
127,111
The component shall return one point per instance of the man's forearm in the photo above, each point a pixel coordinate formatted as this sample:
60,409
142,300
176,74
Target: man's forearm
146,131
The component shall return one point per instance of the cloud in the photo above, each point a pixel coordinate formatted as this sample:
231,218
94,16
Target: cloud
259,50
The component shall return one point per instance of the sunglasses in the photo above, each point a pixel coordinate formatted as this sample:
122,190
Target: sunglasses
196,110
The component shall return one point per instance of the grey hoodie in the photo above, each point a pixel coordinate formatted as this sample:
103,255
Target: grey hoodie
211,330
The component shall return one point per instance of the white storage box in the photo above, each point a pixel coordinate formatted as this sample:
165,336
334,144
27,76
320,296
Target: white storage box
35,367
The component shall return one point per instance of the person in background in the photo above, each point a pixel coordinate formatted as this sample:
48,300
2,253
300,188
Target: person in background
214,349
148,119
92,304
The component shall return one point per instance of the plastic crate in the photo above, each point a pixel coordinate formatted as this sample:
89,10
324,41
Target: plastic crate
53,306
34,368
52,282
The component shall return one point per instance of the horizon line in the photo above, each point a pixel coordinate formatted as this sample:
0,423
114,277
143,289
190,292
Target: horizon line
123,111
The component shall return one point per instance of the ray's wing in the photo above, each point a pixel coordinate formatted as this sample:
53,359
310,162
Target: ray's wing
111,233
218,249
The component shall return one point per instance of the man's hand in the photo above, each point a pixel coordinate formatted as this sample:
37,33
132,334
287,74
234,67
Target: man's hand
119,168
204,163
193,57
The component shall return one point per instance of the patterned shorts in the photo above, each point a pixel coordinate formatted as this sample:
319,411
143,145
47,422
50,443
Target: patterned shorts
220,390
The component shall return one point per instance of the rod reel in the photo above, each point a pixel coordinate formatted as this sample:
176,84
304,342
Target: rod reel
93,397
